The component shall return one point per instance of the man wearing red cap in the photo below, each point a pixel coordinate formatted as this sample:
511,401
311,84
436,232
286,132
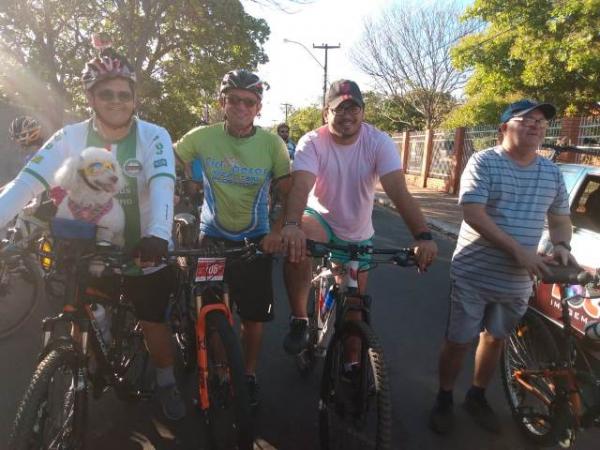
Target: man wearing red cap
335,171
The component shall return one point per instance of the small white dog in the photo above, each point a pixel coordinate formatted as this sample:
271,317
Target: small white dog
91,182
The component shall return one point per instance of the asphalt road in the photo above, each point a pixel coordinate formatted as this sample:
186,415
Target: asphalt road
409,315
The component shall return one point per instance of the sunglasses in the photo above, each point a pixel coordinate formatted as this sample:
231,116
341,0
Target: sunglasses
96,167
107,95
234,100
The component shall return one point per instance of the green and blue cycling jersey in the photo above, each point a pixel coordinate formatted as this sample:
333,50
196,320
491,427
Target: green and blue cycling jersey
237,174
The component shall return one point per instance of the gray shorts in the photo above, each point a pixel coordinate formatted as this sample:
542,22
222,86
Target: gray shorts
473,310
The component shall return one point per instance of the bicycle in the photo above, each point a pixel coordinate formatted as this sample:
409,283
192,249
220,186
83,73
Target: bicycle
77,353
355,406
20,271
222,395
551,380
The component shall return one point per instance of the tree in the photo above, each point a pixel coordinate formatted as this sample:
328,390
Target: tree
544,49
406,52
303,120
178,48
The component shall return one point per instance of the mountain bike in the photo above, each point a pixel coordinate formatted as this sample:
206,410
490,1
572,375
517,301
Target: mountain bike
77,353
222,395
355,404
551,378
20,272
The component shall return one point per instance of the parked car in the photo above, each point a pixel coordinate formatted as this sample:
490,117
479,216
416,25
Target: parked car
583,185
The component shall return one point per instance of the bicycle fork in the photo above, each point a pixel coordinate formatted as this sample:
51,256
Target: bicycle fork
202,311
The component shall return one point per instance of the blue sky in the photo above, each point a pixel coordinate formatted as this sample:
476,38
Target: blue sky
294,76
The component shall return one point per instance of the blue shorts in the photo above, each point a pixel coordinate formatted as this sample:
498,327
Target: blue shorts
336,255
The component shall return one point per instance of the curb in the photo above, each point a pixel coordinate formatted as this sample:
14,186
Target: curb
447,229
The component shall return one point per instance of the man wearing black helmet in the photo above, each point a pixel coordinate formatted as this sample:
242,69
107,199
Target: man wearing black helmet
27,132
240,162
145,154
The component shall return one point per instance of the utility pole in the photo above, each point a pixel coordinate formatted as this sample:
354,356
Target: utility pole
287,107
325,47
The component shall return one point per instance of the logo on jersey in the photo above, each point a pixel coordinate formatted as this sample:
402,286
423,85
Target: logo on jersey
132,168
37,159
160,163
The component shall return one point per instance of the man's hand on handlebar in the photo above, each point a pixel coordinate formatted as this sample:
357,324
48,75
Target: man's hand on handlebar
294,243
425,253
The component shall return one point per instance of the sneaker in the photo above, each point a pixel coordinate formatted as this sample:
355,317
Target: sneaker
481,412
297,339
252,386
441,419
171,402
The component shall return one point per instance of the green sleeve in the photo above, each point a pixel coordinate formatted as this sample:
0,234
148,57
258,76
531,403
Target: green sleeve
281,158
187,147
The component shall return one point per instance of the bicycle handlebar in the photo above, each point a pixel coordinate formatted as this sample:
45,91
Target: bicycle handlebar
401,256
569,275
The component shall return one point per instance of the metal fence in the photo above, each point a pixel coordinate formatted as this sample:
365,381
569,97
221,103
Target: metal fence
589,136
478,138
442,154
416,149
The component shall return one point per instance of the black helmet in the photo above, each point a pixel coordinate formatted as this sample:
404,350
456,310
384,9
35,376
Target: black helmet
25,130
242,79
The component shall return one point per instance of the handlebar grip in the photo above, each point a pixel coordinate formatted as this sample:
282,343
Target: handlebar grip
568,275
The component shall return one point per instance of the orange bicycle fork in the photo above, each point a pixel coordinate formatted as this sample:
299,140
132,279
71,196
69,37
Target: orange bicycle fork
201,312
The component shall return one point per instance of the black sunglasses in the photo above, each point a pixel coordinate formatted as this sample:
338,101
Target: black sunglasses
235,100
108,95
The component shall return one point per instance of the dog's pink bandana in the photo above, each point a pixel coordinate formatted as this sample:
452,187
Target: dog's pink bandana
91,214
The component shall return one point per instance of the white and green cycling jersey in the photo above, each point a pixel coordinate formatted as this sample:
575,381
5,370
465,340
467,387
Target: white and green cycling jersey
146,159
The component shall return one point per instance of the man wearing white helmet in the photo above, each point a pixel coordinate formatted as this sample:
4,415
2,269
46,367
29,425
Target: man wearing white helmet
145,154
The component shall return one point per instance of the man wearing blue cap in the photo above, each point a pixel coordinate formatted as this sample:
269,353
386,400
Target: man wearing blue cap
506,193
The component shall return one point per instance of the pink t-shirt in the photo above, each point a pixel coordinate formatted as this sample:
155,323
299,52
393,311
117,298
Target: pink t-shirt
346,177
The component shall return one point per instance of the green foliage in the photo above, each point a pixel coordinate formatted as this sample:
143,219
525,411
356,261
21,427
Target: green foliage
303,120
541,49
179,48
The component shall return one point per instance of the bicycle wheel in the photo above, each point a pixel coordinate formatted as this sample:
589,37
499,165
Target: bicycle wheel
53,411
531,346
229,414
20,285
355,409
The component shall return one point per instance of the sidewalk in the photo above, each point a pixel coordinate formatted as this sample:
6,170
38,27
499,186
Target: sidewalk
440,209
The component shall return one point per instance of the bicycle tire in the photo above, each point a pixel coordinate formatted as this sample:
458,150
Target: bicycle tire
532,346
15,310
344,404
36,415
229,413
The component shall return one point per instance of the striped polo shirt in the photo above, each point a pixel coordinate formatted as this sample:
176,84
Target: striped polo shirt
517,199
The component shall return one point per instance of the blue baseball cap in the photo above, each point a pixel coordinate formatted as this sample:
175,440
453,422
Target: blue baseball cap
522,107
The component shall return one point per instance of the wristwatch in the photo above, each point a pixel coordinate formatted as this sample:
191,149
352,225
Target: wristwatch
563,244
424,236
291,223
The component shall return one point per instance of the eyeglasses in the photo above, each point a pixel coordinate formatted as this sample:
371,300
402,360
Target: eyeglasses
96,167
107,95
352,109
528,121
234,100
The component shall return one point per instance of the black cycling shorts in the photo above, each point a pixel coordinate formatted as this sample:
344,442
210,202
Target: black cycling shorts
150,294
250,282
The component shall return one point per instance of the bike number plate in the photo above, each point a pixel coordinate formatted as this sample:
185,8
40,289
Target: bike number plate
210,269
